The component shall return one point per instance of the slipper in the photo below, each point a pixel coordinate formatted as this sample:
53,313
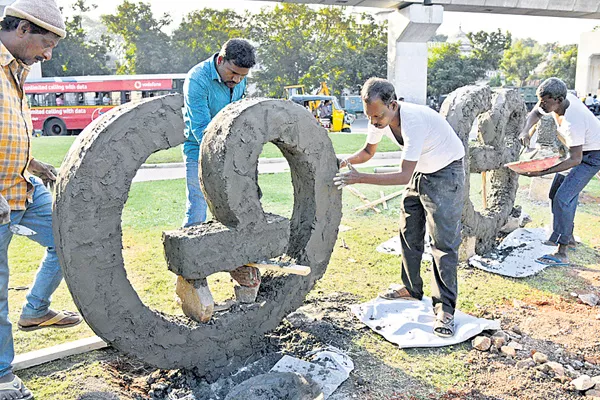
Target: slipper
16,385
397,292
52,322
550,260
444,325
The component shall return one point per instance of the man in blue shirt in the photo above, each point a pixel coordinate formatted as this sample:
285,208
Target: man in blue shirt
208,88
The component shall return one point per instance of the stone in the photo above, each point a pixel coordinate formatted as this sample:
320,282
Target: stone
590,299
592,394
515,345
517,330
596,380
555,367
245,294
196,300
540,358
582,383
276,385
481,343
508,351
525,364
512,224
499,339
576,364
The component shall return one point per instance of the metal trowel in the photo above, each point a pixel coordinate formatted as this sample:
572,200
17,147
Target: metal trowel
21,230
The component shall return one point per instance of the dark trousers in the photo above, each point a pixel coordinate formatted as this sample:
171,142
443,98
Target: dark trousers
564,194
436,201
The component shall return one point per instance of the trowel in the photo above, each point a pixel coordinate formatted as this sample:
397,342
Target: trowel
21,230
527,153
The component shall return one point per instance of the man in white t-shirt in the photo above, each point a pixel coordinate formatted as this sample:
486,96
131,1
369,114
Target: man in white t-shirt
579,130
432,168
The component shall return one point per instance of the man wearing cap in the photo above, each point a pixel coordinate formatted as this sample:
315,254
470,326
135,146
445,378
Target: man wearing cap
29,31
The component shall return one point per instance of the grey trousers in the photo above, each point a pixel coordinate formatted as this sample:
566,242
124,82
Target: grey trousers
434,200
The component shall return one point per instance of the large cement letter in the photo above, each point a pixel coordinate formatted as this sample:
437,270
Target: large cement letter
92,189
500,116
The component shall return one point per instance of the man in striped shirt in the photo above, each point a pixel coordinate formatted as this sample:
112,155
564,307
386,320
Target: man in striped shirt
29,31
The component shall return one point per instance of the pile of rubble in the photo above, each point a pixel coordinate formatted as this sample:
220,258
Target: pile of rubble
577,374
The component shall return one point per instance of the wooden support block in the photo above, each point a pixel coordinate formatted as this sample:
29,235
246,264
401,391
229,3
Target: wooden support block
288,269
245,294
484,189
361,196
38,357
196,300
374,203
385,207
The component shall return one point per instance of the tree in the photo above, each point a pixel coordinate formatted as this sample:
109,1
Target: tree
147,47
519,61
447,69
76,54
297,44
202,33
439,38
562,64
488,48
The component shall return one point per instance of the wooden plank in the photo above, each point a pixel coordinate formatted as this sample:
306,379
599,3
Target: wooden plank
385,207
53,353
374,203
484,189
287,269
361,196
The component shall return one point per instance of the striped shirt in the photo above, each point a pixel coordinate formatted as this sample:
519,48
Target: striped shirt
15,132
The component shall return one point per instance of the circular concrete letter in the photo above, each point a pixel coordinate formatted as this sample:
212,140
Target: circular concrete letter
92,189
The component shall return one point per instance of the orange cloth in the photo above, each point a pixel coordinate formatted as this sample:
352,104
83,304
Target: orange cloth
15,132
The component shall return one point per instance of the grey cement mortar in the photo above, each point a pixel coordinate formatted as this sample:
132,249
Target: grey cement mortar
93,187
276,386
500,116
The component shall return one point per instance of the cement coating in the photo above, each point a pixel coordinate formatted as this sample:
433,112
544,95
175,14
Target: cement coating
276,386
500,116
93,187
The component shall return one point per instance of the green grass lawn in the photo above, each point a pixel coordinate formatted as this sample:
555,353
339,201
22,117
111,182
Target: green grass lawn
53,149
157,206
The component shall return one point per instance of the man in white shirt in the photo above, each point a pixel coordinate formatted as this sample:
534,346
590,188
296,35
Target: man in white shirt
432,168
579,130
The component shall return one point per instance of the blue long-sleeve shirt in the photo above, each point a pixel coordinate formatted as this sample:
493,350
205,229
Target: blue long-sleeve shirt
204,96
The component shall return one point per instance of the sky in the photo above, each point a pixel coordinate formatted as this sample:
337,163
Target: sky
542,29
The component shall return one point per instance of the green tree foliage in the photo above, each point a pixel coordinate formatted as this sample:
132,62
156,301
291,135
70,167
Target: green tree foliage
76,55
298,44
520,60
201,34
562,64
488,47
147,47
447,69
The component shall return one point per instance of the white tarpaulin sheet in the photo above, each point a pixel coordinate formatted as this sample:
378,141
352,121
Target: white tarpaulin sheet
329,368
409,323
516,255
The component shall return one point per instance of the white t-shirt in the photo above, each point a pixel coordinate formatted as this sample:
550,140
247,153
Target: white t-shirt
428,138
579,126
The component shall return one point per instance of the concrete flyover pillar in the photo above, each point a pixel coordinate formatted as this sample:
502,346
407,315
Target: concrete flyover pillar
587,78
409,29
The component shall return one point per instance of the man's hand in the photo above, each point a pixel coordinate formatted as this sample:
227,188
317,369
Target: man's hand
4,211
42,170
533,174
524,138
347,178
343,163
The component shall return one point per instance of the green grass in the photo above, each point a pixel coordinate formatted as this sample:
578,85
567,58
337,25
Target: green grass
157,206
53,149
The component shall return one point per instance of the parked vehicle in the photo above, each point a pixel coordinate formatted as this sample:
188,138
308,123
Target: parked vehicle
338,120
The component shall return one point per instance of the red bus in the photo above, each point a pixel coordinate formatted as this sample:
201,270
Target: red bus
64,105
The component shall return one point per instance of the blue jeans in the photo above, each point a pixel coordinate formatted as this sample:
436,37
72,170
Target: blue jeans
38,217
564,194
196,204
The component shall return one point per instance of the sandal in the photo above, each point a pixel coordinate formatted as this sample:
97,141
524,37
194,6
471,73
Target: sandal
397,292
53,322
444,325
551,260
16,385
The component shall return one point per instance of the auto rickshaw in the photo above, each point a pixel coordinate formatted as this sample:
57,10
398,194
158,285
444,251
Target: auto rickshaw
327,111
